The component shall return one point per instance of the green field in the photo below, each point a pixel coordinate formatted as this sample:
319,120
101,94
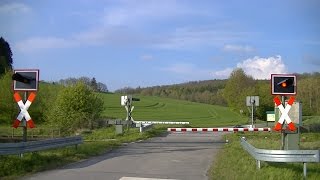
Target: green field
165,109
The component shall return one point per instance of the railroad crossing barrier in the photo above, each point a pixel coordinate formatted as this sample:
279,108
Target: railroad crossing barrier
144,125
218,129
159,122
303,156
32,146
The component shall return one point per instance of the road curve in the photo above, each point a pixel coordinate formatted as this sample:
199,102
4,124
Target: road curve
174,156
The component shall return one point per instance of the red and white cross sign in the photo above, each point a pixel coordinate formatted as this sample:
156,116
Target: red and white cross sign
284,114
24,109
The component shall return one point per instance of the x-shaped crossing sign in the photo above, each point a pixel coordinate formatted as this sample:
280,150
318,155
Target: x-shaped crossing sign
24,109
284,114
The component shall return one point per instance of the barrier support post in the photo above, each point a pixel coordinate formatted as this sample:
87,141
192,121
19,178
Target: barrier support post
258,164
305,170
24,121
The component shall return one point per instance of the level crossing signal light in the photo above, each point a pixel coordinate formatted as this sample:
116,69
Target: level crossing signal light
25,80
282,84
127,100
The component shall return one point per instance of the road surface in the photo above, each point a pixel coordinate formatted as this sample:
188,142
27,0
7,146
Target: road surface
174,156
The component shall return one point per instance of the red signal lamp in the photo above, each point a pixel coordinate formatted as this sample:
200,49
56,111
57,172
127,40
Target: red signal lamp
284,84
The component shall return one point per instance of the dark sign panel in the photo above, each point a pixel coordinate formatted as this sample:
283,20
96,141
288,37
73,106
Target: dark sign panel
282,84
25,80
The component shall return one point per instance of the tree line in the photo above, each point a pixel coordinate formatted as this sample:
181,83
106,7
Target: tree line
90,82
232,92
209,91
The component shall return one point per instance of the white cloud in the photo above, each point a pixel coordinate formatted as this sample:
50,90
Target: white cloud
147,57
93,37
238,48
198,37
257,67
181,68
34,44
131,13
187,71
262,68
223,74
14,8
124,23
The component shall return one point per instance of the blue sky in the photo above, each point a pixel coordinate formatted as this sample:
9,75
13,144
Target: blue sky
156,42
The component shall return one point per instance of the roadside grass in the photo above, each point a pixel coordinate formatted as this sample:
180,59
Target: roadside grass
307,120
97,143
233,162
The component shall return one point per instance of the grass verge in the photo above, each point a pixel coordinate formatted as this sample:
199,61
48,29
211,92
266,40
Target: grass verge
96,143
233,162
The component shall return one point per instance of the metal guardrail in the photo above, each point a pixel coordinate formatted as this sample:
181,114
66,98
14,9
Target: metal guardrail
303,156
32,146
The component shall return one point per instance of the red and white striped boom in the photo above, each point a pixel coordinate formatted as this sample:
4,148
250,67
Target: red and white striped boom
218,129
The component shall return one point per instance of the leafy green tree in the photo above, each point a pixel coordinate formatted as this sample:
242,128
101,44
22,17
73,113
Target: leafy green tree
308,92
239,86
93,84
102,87
5,56
77,107
45,98
265,99
8,107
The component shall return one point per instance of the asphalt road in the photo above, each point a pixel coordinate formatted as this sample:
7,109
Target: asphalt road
174,156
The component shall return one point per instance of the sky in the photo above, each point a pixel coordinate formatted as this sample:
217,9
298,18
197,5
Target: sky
131,43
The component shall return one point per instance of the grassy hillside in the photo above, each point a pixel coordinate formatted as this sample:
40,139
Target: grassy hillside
164,109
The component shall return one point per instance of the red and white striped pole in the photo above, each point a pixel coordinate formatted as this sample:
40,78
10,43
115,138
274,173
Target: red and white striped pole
24,109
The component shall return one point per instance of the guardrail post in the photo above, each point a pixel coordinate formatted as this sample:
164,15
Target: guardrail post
304,170
258,164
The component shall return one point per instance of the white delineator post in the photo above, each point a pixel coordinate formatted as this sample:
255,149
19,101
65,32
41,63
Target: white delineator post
24,109
284,114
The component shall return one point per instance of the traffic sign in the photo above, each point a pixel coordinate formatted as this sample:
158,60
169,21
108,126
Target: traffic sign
284,114
25,80
24,109
283,84
252,100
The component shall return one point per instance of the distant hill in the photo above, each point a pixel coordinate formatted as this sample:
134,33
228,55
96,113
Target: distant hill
208,91
232,93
